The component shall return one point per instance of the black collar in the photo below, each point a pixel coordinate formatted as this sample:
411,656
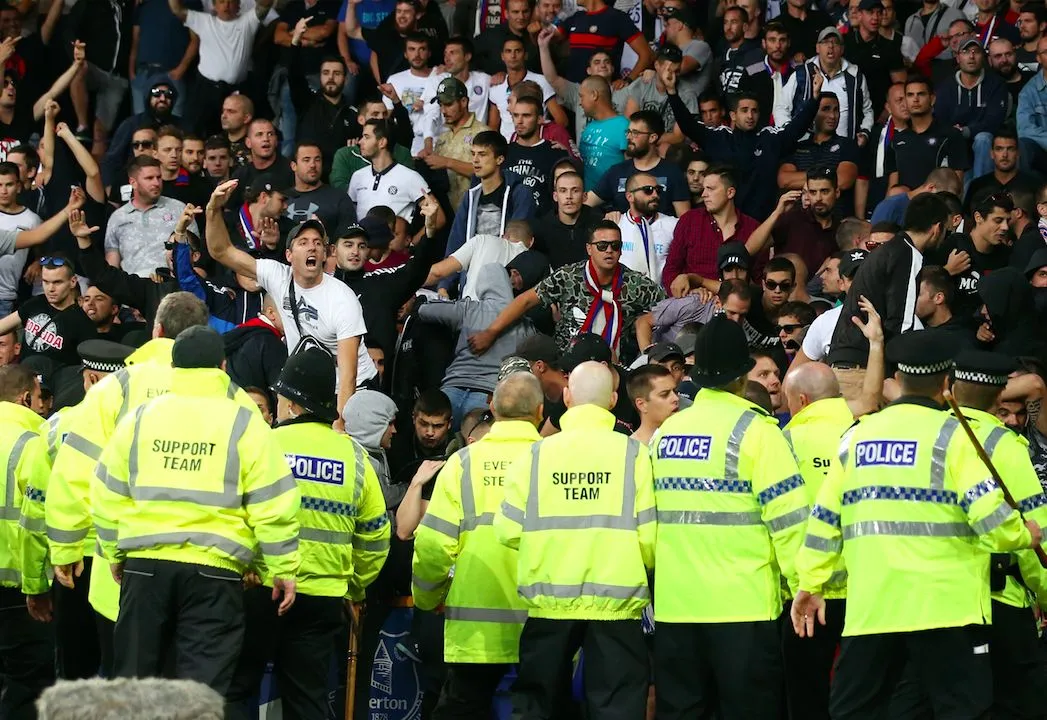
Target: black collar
917,400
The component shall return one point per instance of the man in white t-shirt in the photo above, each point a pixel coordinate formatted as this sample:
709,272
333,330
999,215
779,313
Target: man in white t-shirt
226,42
310,302
12,217
410,85
837,275
480,250
646,233
515,58
458,54
384,181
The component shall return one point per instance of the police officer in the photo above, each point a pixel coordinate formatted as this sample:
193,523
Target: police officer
26,645
147,375
978,379
184,507
580,509
80,652
484,615
906,506
343,538
731,512
820,415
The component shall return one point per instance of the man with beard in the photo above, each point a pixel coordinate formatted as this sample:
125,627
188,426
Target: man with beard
641,151
1032,23
695,166
561,236
310,196
328,122
179,183
193,155
1005,176
349,159
531,156
410,85
1004,61
987,246
733,54
453,151
162,96
765,77
646,233
255,226
824,148
808,232
264,158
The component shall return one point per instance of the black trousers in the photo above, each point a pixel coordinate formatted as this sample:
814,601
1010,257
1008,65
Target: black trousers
27,657
951,667
79,650
809,663
615,669
468,692
1018,677
301,646
726,671
192,613
205,111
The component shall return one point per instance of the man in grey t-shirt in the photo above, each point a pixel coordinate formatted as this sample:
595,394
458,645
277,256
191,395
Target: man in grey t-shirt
696,66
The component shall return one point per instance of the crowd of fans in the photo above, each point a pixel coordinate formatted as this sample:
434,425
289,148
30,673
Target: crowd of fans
436,192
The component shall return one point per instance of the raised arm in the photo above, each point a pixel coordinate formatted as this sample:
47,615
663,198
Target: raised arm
761,236
545,38
87,162
47,28
872,387
218,243
178,10
62,83
47,144
42,232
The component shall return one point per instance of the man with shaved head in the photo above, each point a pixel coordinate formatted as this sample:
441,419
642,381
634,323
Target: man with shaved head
579,509
820,416
483,611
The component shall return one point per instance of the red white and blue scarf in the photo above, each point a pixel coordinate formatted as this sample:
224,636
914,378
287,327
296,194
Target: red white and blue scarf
605,313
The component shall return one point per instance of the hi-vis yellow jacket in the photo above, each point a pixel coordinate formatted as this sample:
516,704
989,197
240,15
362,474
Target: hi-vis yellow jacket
344,529
484,614
580,509
906,506
68,511
814,435
731,512
216,493
1009,453
23,451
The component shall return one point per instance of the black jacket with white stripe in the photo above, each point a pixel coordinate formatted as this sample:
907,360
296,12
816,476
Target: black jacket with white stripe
888,279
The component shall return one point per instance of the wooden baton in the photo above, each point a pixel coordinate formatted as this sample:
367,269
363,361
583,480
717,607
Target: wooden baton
984,456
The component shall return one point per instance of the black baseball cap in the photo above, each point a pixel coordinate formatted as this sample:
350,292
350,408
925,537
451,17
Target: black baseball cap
851,260
586,347
732,254
870,5
670,53
684,15
539,347
301,227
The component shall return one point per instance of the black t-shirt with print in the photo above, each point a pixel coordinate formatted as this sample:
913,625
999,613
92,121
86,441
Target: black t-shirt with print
967,299
54,333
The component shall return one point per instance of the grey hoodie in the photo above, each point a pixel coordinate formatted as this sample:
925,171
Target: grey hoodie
468,317
367,415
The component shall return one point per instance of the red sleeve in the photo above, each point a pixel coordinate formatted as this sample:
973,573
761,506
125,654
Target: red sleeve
928,52
676,260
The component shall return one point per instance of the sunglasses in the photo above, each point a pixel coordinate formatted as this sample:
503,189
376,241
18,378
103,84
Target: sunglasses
649,189
53,262
784,286
790,327
143,145
605,245
162,92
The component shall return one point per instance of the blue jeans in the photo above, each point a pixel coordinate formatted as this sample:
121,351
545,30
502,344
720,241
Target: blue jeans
463,400
145,77
982,164
289,115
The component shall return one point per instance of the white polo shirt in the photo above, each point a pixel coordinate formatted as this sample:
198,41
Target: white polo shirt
397,187
820,335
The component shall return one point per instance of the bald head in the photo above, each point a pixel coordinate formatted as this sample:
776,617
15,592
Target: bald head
598,85
809,383
518,397
591,383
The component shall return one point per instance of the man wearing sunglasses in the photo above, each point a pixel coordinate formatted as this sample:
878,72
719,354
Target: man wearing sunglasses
646,233
599,295
158,113
54,323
